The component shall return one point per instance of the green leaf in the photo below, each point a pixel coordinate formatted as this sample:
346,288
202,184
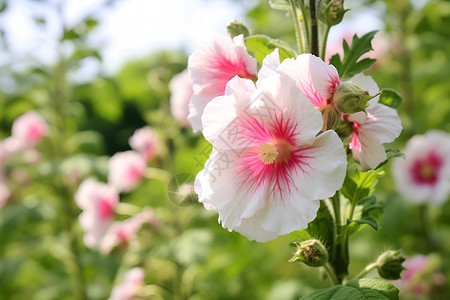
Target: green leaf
320,228
362,289
349,64
359,185
390,153
391,98
365,214
260,45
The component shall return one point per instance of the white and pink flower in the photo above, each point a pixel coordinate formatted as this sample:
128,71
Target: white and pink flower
319,81
29,128
211,67
180,94
424,174
268,170
128,290
97,200
126,170
121,233
146,142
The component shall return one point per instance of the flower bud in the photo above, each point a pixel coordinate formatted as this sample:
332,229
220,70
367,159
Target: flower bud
236,28
330,116
331,12
389,265
311,252
350,99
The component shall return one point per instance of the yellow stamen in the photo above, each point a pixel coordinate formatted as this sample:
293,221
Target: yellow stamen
267,153
427,171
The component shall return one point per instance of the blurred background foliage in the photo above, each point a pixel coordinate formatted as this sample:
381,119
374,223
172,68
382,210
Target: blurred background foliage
190,256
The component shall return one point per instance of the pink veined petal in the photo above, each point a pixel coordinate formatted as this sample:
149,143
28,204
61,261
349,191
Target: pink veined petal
383,122
239,85
313,77
366,148
269,67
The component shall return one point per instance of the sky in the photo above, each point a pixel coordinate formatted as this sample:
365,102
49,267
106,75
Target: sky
130,29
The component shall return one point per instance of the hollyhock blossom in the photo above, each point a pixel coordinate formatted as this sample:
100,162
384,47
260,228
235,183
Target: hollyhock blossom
211,67
29,128
126,170
124,231
320,83
146,142
180,94
424,174
133,281
268,170
97,200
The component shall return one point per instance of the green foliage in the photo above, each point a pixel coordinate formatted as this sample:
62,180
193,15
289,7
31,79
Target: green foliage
390,153
365,213
350,64
280,4
357,290
391,98
260,45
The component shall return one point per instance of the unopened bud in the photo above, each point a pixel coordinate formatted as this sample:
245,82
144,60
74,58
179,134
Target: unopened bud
350,99
236,28
331,12
389,265
311,252
331,117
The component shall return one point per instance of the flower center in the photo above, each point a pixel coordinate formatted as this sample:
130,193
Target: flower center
427,171
267,153
279,150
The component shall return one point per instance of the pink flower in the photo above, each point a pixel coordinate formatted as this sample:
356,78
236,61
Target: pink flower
424,174
181,92
128,290
97,200
146,142
126,170
268,170
211,67
319,81
29,128
121,233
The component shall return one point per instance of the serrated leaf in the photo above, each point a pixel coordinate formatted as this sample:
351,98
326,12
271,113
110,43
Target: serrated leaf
390,153
364,214
260,45
359,185
362,289
391,98
349,64
320,228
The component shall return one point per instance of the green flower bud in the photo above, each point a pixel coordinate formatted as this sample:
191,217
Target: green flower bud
389,265
350,99
331,117
236,28
331,12
311,252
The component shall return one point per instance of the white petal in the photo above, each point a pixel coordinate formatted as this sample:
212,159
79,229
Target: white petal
383,122
239,85
269,67
371,153
313,76
323,167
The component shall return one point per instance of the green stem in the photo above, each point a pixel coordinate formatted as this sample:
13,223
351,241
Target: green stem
330,273
305,27
324,42
314,28
366,270
298,33
340,257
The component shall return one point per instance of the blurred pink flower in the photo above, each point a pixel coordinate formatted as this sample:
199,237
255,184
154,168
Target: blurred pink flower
268,170
181,92
424,174
123,232
146,142
29,128
319,81
211,67
97,200
134,279
126,170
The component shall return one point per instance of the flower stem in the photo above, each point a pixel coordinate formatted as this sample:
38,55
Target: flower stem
330,273
298,33
340,257
324,42
366,270
314,28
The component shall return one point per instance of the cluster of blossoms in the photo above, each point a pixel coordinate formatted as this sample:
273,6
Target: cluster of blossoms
276,153
26,132
424,174
99,200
